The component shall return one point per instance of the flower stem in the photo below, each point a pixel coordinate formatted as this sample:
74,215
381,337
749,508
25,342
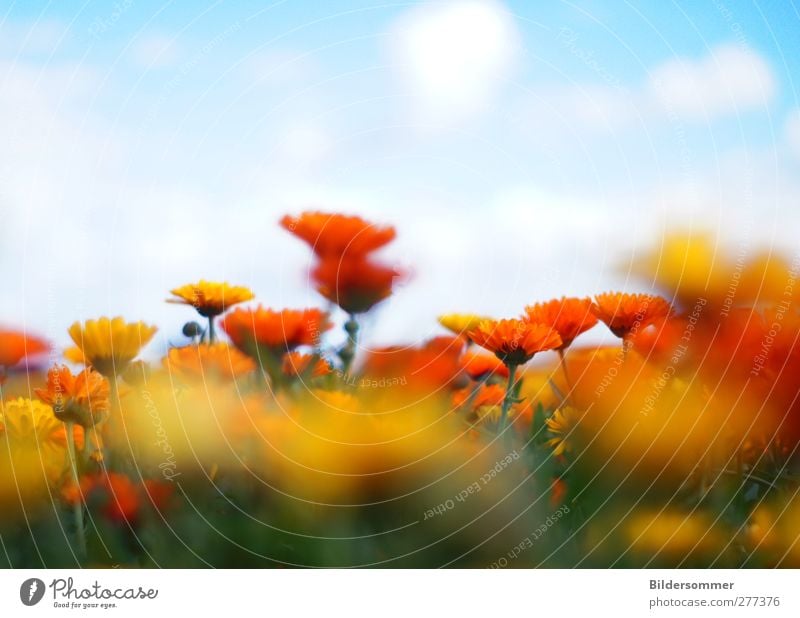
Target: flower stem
77,508
508,399
212,333
348,352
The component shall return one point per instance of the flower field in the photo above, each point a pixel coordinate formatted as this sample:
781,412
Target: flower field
504,442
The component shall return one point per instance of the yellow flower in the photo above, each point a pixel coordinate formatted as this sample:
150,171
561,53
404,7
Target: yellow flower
29,427
108,345
460,323
210,298
561,424
201,362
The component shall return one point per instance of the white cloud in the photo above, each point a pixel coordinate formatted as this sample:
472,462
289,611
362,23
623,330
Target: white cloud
455,56
17,38
792,131
155,51
729,80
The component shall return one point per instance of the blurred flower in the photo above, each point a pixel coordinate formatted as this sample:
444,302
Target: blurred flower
108,345
480,366
16,345
460,323
355,284
116,496
208,361
296,364
627,313
569,317
514,342
561,424
278,330
483,396
334,236
209,298
30,426
81,399
672,534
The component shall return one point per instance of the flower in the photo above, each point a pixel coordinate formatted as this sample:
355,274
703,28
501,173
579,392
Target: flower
16,345
209,298
514,342
116,496
460,323
82,399
561,424
480,366
333,235
569,317
30,425
355,284
296,364
278,330
108,345
487,396
627,313
199,362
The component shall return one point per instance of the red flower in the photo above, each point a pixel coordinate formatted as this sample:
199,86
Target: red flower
355,284
15,345
333,235
282,330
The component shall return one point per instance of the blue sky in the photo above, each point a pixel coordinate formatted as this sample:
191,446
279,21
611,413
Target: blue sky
522,149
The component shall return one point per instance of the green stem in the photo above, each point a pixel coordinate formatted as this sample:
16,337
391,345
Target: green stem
212,333
348,352
508,399
77,508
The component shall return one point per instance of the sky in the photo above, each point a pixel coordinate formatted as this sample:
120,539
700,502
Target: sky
523,150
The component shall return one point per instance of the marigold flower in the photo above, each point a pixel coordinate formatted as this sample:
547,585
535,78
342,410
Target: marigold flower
514,342
355,284
209,298
626,313
487,395
460,323
113,494
333,235
296,364
279,330
200,362
16,345
569,317
108,345
28,424
561,425
480,366
81,399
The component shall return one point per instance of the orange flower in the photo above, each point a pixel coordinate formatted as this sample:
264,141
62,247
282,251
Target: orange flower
200,362
296,364
114,494
210,299
355,284
15,345
515,342
488,395
480,366
281,330
332,235
627,313
81,399
569,317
